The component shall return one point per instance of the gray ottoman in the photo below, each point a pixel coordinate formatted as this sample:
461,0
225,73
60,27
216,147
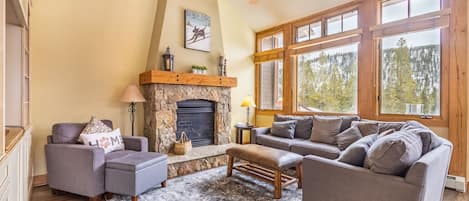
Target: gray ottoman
136,173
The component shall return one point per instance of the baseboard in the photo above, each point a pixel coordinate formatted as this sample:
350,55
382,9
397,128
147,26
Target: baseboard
39,180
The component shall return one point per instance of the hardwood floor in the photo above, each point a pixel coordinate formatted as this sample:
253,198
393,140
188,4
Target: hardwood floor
43,193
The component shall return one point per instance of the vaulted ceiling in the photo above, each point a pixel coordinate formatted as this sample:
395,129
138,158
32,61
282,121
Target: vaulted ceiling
262,14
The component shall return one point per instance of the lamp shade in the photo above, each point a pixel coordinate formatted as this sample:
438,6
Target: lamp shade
248,102
132,95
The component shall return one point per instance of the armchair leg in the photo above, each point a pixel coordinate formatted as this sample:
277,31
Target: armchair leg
163,184
135,198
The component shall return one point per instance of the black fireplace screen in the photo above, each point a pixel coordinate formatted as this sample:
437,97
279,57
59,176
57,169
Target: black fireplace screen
197,119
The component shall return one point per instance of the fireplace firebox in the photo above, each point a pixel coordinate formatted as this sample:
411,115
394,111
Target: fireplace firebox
197,119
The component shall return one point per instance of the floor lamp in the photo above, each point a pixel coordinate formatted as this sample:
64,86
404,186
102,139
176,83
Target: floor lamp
132,96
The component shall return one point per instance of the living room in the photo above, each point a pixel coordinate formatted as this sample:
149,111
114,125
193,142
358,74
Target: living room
340,100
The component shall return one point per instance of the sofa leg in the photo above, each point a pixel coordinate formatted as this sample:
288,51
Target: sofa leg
163,184
135,198
108,196
229,169
96,198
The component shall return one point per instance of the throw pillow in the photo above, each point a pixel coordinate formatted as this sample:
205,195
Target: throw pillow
347,122
111,141
355,154
95,126
303,124
429,139
385,126
284,129
366,127
395,153
390,131
348,137
325,129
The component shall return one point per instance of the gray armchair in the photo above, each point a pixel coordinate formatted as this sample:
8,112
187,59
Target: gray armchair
79,168
330,180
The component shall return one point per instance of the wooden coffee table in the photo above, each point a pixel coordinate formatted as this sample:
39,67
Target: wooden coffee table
266,163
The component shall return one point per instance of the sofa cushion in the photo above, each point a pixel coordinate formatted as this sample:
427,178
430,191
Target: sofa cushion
367,127
68,133
303,124
347,122
429,139
136,161
118,154
347,137
325,129
276,142
384,126
306,147
393,154
285,129
355,154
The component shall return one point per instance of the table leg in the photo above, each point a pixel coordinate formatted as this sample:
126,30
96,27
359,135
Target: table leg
229,169
299,174
278,184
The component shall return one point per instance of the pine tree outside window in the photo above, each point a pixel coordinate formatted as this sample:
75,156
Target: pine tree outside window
327,80
410,73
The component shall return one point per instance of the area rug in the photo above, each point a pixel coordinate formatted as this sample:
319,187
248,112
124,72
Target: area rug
213,185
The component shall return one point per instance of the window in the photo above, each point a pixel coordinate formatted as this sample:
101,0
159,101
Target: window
393,10
271,85
327,80
344,22
410,73
308,32
272,42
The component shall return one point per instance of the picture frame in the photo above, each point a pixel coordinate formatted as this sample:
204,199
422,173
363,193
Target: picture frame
197,31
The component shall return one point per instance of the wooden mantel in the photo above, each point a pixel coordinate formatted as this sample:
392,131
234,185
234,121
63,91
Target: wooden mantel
165,77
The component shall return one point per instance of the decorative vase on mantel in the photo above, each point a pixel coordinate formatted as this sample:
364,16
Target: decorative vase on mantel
168,60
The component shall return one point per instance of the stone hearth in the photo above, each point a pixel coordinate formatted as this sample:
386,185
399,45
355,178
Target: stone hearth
160,112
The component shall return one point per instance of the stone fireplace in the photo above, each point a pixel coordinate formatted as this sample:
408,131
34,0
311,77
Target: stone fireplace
165,100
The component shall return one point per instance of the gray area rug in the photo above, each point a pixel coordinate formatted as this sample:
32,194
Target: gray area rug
213,185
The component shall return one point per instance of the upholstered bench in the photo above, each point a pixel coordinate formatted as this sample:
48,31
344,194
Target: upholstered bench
136,173
266,163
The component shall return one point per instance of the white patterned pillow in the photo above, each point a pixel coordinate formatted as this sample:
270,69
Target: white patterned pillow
111,141
94,126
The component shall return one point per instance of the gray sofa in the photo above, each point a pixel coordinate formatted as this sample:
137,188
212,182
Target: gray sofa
301,144
78,168
327,179
331,180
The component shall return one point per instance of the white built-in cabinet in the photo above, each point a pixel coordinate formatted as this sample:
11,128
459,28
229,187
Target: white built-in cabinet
15,120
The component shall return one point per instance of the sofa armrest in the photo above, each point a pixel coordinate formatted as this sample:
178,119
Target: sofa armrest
258,131
136,143
430,172
75,168
327,180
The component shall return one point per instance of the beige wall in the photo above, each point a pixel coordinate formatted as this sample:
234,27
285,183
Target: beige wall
239,45
84,54
172,35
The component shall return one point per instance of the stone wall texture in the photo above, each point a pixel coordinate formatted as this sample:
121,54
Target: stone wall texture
160,112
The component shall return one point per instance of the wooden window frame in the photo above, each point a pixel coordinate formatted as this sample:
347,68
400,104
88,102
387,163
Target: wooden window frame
454,42
427,21
408,10
369,108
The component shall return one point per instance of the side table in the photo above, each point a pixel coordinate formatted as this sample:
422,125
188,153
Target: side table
239,131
